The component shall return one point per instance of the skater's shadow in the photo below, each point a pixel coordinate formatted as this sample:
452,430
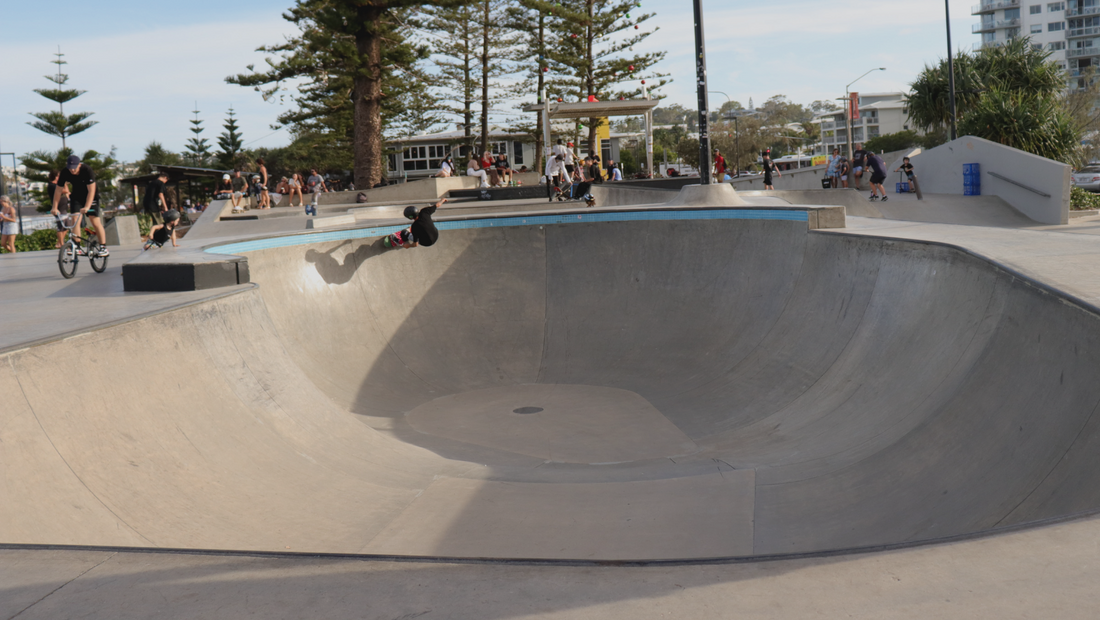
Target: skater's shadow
333,271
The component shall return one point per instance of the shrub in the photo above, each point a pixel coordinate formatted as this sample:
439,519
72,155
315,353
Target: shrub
1080,199
38,240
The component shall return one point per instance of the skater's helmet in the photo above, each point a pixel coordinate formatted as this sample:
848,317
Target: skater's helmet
411,212
171,215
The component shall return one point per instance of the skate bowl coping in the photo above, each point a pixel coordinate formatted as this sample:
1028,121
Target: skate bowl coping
708,389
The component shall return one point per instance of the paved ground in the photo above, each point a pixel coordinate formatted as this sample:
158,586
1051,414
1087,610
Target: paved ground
862,392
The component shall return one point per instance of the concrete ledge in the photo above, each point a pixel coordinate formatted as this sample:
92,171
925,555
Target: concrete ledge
123,230
172,269
331,221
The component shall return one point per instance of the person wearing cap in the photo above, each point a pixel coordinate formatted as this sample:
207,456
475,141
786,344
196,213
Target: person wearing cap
224,191
162,233
155,203
83,199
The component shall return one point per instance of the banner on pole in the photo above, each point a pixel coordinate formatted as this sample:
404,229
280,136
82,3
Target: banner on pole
853,106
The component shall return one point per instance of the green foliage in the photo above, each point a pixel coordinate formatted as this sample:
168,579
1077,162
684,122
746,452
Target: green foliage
197,153
1024,120
352,73
891,142
156,155
305,152
1080,199
40,163
58,123
230,143
38,240
1009,94
688,150
627,162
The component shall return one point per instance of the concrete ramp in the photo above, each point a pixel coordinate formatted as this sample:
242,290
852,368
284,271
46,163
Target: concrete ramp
623,390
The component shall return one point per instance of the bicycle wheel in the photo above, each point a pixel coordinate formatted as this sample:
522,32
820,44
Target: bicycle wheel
66,259
99,263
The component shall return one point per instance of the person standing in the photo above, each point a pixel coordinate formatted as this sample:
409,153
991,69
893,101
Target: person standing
265,196
155,202
859,162
316,185
769,167
831,170
83,199
51,188
719,166
878,174
9,224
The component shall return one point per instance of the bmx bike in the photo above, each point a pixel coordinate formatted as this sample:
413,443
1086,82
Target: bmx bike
74,247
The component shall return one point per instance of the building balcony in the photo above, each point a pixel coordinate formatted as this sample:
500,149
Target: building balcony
1083,32
1083,51
989,7
1087,10
983,27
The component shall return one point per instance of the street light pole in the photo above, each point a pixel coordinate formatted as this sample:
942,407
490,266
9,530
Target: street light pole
701,79
848,106
718,92
950,70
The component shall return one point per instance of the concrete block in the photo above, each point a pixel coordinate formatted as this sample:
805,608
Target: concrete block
123,231
331,221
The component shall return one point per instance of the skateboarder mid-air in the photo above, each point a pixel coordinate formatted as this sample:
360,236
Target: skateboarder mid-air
422,232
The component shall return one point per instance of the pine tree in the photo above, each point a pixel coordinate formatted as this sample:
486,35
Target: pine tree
592,59
454,48
198,152
39,164
351,52
230,143
57,123
529,19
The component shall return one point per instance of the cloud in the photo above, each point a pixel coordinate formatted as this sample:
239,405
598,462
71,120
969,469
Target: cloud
143,86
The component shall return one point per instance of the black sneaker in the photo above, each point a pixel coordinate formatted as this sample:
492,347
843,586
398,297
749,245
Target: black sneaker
873,197
884,198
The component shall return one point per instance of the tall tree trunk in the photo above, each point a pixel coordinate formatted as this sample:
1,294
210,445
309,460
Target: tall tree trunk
367,124
485,77
468,104
539,146
590,79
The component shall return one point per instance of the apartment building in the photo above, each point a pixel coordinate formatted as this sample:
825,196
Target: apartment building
879,114
1049,25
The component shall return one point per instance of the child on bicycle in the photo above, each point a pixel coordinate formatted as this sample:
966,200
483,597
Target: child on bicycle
161,233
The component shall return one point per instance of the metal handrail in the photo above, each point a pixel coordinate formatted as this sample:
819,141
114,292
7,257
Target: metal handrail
1018,184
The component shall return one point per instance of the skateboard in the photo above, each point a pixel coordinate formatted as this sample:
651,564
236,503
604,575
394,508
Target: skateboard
396,239
916,186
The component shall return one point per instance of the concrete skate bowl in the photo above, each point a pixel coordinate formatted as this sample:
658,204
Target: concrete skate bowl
594,391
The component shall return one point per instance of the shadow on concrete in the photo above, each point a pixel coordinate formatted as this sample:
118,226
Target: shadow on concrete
341,272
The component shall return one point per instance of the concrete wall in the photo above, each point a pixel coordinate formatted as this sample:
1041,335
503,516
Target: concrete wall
940,171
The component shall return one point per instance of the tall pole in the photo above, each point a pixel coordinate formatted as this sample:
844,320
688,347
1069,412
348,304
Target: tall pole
950,70
701,78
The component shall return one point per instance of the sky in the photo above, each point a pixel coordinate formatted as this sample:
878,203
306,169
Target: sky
146,65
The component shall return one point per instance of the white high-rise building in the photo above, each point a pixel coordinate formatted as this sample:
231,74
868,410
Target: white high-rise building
1047,24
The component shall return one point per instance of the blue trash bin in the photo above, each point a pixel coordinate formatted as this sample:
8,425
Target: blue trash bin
972,180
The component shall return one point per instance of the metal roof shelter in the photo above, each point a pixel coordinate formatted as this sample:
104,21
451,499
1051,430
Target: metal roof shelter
599,109
176,175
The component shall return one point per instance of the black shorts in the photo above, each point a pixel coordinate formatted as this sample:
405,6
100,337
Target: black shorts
767,180
569,169
75,207
877,178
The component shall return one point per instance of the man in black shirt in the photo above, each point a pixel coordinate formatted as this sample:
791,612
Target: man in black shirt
82,198
859,162
422,232
155,203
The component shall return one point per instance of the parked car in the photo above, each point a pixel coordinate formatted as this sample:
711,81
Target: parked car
1087,178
